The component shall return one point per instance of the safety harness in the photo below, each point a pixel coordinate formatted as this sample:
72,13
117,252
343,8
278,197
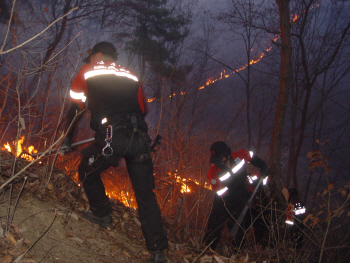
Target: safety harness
107,151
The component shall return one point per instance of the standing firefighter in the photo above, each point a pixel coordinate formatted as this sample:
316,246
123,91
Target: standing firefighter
228,176
114,96
295,215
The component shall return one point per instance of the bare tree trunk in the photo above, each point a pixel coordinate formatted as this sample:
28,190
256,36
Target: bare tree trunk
285,83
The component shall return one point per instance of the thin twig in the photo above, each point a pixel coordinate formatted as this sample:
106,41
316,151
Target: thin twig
46,253
25,252
52,209
57,152
30,39
203,251
119,220
8,26
8,209
19,195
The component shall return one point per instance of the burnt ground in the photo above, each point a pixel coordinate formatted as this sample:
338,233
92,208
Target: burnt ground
43,224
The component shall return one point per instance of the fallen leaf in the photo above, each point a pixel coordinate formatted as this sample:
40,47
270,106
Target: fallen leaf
315,222
19,245
137,221
11,238
126,254
285,193
180,253
51,187
33,175
206,259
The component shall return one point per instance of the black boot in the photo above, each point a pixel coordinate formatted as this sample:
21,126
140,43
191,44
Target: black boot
105,221
158,256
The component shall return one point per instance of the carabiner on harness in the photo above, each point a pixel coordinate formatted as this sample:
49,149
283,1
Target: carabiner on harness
107,151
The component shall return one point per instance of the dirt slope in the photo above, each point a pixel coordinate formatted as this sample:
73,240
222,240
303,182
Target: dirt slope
47,226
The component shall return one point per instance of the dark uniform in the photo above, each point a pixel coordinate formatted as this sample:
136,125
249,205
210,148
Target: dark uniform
114,96
231,194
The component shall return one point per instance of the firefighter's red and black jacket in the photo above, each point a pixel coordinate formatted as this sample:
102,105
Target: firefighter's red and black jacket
224,182
107,89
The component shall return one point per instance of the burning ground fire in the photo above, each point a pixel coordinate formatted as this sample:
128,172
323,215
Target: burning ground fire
111,190
20,150
129,200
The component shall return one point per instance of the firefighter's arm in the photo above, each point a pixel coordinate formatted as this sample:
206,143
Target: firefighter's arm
213,178
77,103
141,99
72,117
258,162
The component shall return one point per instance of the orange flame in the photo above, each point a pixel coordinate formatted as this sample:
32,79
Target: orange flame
20,149
7,147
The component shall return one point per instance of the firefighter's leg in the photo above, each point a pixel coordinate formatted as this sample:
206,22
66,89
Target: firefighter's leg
236,206
216,221
141,174
89,175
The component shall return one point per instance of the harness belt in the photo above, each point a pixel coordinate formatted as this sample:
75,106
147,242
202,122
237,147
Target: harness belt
107,151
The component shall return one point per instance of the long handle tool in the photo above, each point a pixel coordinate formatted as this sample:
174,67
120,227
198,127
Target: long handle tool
238,223
61,148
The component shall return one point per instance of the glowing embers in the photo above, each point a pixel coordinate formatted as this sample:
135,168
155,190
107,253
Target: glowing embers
19,150
77,95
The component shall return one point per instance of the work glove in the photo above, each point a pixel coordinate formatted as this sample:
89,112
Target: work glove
66,146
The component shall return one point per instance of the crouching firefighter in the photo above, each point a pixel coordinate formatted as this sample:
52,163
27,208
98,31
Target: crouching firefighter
228,175
116,103
295,215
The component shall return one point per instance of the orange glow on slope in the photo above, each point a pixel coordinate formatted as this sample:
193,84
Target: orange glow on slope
223,74
296,17
122,196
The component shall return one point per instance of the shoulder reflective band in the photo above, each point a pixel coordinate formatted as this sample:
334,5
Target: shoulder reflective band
111,70
235,169
289,222
251,154
104,120
77,95
222,191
